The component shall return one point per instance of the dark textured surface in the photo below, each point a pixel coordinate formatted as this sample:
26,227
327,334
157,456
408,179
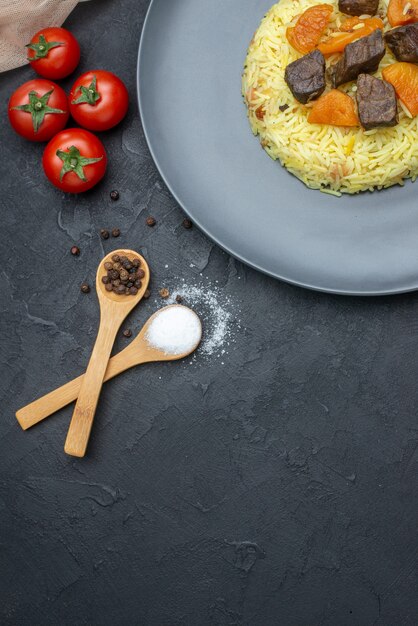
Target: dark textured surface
278,489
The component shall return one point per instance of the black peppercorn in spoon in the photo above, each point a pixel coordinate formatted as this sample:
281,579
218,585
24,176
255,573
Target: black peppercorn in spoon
114,307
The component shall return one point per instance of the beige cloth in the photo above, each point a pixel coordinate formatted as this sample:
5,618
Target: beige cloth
21,19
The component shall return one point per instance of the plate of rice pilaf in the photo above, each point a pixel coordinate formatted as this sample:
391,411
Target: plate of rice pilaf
331,91
348,133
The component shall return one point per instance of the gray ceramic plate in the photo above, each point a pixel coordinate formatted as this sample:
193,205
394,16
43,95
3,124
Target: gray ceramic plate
189,78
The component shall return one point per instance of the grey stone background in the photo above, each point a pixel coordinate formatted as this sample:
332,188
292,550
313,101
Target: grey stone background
277,489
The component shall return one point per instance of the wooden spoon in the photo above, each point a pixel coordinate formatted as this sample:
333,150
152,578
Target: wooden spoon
137,353
113,310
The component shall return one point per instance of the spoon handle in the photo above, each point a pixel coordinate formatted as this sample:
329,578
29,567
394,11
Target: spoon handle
48,404
85,408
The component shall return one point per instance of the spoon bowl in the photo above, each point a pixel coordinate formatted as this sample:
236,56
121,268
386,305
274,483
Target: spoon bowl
152,353
127,300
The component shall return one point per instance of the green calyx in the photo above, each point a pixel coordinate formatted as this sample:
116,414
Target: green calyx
89,94
42,47
38,108
74,162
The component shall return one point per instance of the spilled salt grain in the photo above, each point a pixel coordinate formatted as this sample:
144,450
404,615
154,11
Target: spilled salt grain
212,305
175,330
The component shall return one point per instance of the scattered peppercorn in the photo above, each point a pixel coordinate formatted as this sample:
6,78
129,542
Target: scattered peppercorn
75,250
147,294
164,293
85,288
123,275
104,233
151,221
114,195
179,299
127,332
283,107
115,232
187,224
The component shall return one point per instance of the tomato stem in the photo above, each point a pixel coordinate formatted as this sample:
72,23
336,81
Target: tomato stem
73,161
89,95
38,108
42,47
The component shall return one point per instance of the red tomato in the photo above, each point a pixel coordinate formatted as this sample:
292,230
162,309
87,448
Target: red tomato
53,53
98,100
38,109
74,160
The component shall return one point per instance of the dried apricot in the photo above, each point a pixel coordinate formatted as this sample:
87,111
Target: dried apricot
404,78
402,12
350,30
306,33
335,108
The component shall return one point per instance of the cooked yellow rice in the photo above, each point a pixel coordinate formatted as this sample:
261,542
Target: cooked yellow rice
333,159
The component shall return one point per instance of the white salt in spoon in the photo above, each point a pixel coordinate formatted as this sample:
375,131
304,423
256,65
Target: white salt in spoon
170,334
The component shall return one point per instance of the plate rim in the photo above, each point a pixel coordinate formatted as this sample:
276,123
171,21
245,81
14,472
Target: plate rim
215,238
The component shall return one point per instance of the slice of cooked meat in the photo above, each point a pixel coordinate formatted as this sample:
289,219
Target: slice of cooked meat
358,7
306,76
403,42
376,102
361,56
